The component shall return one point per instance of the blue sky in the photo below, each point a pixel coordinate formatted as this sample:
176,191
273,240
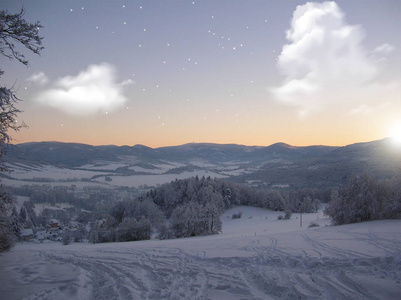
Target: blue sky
248,72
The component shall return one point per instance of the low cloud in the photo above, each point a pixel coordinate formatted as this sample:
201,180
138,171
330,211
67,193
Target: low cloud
126,82
38,78
385,48
92,91
325,62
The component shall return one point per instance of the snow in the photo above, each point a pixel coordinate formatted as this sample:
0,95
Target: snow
26,232
48,171
235,172
54,176
19,202
236,169
39,207
101,166
255,257
262,221
159,168
202,164
154,180
77,184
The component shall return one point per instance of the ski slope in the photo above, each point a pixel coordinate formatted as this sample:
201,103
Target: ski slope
256,257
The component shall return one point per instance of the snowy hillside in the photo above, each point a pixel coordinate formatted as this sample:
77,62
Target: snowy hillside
255,257
278,165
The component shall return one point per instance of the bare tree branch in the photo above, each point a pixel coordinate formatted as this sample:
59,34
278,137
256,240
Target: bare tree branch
12,28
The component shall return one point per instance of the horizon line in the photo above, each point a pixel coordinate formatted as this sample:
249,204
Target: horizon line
211,143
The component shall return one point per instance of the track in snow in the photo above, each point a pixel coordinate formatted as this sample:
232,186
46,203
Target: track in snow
360,261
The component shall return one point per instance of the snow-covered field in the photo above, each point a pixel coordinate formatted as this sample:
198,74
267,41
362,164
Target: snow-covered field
256,257
160,174
154,180
50,172
39,207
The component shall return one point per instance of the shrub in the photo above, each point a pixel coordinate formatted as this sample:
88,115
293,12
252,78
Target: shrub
131,229
6,239
280,217
313,224
288,214
237,215
66,239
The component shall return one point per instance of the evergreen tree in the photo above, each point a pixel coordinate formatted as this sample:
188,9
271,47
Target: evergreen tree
22,213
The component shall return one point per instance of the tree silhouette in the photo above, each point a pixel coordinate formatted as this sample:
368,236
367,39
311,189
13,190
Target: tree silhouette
13,29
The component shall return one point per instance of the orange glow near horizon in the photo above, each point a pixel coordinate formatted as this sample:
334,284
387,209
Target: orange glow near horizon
251,132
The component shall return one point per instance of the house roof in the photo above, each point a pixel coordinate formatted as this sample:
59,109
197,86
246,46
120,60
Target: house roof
26,232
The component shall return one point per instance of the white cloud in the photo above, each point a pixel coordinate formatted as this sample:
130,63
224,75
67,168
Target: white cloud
385,49
38,78
127,82
92,91
325,62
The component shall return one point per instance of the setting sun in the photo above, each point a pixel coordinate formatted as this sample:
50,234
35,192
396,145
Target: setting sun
396,134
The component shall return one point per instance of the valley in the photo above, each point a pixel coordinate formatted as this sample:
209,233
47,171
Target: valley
279,165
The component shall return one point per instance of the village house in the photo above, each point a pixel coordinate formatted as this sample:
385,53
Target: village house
26,234
53,230
41,235
53,225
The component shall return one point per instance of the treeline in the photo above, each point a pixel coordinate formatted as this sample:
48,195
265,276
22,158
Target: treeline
85,206
225,195
365,198
127,220
86,199
191,207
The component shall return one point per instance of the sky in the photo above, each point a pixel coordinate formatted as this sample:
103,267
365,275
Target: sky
163,73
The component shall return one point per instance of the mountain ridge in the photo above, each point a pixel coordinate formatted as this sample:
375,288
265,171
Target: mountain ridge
73,154
278,164
190,143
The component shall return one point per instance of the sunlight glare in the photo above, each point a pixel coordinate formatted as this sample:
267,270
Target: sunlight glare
396,134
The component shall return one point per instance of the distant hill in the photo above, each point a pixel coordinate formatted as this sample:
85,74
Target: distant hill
277,164
75,155
333,166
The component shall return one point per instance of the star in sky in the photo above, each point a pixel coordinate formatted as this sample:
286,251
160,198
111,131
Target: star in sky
213,60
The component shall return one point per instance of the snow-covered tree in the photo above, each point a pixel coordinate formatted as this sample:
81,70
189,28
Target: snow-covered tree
6,234
212,217
194,219
131,229
364,199
275,201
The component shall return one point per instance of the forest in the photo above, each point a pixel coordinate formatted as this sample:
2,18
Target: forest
193,206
